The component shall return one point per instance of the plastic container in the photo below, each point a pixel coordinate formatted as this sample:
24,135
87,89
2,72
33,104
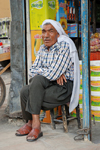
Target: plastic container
41,10
95,98
95,55
1,47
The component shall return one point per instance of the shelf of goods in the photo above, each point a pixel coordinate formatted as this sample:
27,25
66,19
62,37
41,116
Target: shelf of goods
4,43
95,90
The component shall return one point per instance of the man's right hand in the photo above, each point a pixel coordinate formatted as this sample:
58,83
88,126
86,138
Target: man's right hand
61,79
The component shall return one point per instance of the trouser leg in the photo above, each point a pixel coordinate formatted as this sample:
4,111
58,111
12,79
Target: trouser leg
36,94
43,94
57,95
32,96
24,97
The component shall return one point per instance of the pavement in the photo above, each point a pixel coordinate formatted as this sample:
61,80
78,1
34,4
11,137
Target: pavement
52,139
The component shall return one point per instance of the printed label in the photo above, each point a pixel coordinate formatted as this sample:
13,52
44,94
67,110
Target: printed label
95,83
52,4
37,4
95,68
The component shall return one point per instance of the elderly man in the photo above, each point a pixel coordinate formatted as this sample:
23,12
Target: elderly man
54,79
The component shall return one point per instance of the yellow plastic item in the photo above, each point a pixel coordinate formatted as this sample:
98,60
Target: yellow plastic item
36,42
41,10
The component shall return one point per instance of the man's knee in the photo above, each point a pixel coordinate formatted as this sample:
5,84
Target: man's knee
39,80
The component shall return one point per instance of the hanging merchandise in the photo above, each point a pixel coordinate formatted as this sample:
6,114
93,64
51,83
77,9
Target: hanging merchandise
41,10
8,23
61,13
5,28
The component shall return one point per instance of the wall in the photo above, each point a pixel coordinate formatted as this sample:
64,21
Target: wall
5,8
18,61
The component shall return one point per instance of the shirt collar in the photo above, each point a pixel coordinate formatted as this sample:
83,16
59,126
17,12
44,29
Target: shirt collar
56,45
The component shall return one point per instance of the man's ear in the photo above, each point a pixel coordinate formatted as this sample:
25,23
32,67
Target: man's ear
58,35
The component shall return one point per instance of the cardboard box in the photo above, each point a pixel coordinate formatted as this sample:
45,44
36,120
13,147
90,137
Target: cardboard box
5,8
36,42
41,10
68,27
74,26
73,30
61,14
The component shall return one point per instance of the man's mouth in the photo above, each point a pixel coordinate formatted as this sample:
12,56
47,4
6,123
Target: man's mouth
47,40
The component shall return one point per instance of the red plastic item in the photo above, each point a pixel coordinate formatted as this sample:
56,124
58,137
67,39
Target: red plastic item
95,55
1,43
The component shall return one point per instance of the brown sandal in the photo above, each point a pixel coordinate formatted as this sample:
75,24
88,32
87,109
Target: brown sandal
35,133
25,130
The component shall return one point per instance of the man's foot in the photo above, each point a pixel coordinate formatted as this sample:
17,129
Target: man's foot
34,135
25,130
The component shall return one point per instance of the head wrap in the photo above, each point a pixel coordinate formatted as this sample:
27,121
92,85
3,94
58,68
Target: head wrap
74,56
63,36
56,25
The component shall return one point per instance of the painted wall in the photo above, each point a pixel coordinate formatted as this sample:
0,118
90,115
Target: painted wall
5,8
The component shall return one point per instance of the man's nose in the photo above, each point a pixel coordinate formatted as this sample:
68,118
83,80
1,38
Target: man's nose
47,34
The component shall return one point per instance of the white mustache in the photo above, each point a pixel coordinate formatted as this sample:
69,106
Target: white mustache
46,39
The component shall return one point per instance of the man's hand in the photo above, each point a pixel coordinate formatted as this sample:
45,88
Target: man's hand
61,80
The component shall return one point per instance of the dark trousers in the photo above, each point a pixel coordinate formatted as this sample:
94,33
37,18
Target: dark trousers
43,94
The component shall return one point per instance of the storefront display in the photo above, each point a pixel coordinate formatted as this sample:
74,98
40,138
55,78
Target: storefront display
63,11
95,90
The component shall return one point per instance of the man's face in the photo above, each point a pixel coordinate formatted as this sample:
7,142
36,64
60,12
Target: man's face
49,35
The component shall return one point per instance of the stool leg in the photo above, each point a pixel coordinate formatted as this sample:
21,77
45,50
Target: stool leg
53,126
64,118
78,117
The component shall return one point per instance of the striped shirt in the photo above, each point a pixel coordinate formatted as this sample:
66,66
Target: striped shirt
53,63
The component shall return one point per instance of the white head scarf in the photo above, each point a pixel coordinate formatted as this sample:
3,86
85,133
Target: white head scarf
74,56
56,25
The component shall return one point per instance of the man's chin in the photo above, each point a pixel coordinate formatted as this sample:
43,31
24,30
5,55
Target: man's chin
48,45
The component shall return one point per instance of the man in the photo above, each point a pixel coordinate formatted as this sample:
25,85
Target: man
52,75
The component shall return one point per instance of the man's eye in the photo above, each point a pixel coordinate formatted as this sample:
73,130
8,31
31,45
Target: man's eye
51,30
